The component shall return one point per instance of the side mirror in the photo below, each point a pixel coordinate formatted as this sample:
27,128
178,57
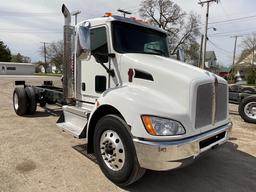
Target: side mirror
83,42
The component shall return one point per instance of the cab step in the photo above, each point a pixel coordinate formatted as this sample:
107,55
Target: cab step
74,120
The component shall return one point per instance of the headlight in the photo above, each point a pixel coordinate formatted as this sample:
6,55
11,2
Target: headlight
161,126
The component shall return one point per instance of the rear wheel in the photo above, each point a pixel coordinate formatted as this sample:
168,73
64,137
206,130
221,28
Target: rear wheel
247,109
31,100
20,101
115,151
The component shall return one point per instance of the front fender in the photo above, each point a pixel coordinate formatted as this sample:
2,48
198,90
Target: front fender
132,101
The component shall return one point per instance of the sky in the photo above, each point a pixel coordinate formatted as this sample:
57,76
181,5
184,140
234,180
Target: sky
25,24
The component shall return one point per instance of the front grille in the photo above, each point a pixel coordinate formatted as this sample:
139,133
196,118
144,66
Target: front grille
205,103
221,102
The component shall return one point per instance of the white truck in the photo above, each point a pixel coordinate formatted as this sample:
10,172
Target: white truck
136,107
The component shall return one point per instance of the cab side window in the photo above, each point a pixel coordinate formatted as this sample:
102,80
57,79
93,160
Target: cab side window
99,45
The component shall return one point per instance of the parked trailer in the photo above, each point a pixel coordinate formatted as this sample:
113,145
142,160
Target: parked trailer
26,97
136,107
245,98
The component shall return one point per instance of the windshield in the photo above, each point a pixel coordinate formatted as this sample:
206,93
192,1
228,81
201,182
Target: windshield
129,38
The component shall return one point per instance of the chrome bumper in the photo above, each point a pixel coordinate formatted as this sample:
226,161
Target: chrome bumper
162,155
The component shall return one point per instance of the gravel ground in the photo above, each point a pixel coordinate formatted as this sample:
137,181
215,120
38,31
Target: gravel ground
37,156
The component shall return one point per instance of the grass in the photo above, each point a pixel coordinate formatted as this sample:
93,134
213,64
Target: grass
49,74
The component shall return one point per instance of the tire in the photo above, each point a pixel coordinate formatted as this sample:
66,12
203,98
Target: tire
20,101
31,100
124,169
247,109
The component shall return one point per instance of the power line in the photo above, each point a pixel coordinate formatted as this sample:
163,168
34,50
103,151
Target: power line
220,51
232,20
232,32
28,14
218,47
223,9
27,31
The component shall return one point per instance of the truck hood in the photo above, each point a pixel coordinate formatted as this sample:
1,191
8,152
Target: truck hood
159,64
172,92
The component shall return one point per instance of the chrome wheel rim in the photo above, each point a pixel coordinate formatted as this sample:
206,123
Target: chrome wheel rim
250,110
112,150
16,101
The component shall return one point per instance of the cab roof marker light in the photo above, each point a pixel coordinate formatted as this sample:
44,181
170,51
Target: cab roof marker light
108,14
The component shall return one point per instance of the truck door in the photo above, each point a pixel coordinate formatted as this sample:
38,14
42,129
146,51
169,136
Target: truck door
94,78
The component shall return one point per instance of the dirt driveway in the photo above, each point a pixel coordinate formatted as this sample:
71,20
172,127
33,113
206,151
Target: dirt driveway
37,156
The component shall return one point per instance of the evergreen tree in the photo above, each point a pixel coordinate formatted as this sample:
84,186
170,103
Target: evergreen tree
5,53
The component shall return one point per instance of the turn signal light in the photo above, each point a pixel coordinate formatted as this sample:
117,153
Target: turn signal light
148,125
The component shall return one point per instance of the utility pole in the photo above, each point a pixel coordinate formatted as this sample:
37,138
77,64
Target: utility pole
75,13
200,52
45,63
234,53
207,2
124,12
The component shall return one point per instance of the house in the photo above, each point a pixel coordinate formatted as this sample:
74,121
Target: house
211,61
11,68
244,66
40,69
51,68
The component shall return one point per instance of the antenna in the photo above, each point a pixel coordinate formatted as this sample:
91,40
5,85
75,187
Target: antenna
124,12
75,13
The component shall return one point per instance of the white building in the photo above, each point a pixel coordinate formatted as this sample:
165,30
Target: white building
49,69
9,68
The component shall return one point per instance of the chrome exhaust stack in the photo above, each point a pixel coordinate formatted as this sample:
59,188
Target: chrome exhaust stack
68,58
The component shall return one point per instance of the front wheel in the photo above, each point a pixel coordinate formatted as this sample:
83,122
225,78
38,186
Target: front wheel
115,151
247,109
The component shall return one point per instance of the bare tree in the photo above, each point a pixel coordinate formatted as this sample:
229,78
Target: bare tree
243,55
54,53
249,46
183,28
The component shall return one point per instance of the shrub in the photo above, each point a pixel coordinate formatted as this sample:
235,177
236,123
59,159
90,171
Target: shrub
251,79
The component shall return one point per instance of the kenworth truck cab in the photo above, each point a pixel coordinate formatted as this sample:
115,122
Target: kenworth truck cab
136,107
